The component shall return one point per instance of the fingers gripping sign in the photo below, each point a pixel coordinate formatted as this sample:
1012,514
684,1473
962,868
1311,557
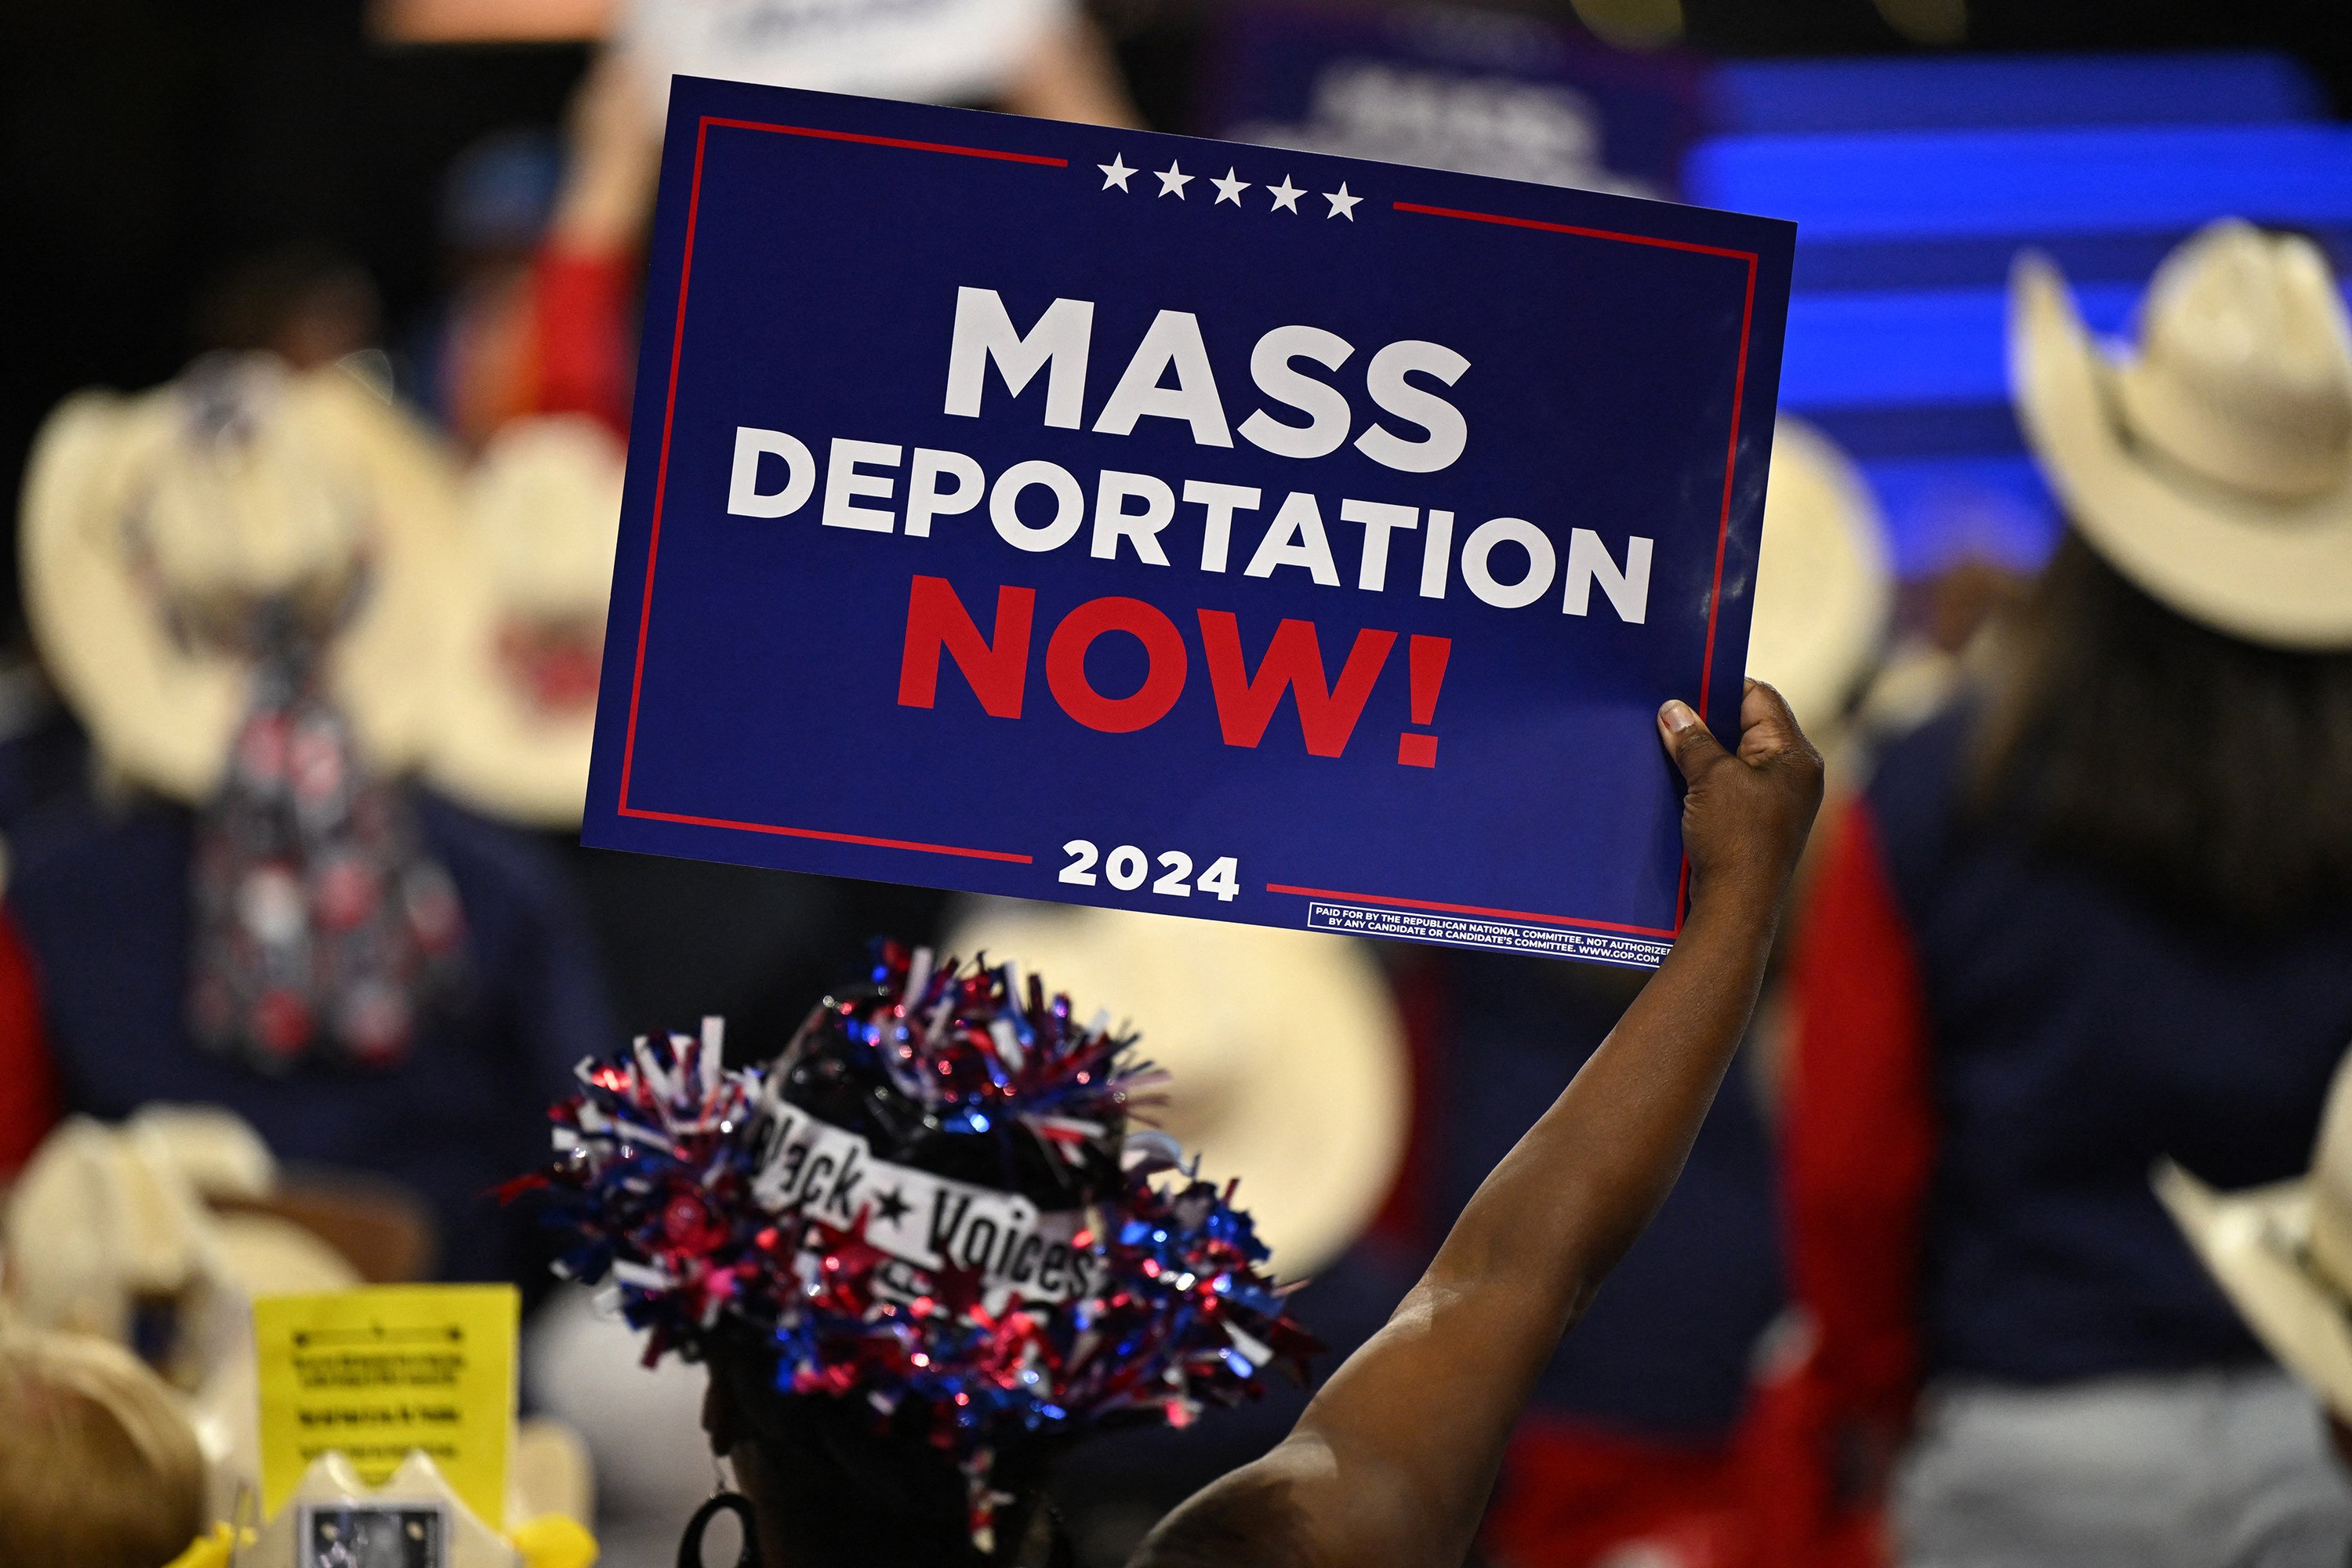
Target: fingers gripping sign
1746,813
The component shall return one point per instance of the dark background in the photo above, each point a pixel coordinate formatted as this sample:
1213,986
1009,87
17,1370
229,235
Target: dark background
147,146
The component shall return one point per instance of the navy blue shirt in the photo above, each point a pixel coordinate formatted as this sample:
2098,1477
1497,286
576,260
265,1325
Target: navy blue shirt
2076,1034
1662,1352
102,898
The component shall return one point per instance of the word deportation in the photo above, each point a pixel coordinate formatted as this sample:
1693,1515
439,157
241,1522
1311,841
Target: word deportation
1504,562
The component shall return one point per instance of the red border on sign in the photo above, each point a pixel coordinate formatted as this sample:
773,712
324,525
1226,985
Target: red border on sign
831,837
661,486
1715,593
661,489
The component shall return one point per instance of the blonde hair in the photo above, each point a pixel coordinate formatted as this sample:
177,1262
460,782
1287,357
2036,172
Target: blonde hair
98,1468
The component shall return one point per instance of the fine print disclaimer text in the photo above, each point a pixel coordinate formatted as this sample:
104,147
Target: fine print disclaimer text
1470,931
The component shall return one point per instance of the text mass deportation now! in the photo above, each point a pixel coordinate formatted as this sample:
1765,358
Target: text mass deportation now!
1415,430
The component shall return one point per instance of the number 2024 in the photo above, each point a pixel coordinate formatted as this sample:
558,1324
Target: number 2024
1126,867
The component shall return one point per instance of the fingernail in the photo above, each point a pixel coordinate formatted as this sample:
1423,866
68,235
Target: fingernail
1676,716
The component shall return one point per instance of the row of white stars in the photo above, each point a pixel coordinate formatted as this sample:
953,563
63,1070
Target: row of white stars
1173,179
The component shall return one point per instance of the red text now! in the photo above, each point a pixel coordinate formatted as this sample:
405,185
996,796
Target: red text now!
995,664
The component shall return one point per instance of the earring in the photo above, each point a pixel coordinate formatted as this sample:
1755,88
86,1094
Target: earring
689,1546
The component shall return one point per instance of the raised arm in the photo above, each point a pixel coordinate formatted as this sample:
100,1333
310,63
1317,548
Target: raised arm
1391,1463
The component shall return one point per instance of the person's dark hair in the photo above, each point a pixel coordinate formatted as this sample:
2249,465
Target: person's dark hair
847,1490
2212,773
306,302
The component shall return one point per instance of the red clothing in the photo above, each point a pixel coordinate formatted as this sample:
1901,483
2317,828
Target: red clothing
29,1103
1573,1496
1857,1148
579,351
551,337
1859,1131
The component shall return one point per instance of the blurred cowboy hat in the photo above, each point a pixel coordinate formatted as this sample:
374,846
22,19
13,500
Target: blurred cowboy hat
2283,1253
105,1218
1286,1053
158,1233
1824,585
542,513
2213,466
153,524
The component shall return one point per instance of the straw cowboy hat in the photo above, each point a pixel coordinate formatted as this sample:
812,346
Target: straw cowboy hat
1286,1053
153,524
111,1231
2282,1254
527,621
2213,466
107,1219
1824,585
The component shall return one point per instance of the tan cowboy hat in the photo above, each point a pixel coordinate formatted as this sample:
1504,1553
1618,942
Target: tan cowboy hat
2282,1254
2213,468
1824,585
149,519
1286,1053
105,1217
527,621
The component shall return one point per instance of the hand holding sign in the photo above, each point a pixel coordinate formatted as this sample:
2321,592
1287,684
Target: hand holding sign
1747,811
1014,508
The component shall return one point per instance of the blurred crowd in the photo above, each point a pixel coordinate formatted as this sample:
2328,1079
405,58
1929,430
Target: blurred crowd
2018,1235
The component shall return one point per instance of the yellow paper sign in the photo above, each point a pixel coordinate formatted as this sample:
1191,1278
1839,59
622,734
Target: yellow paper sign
379,1372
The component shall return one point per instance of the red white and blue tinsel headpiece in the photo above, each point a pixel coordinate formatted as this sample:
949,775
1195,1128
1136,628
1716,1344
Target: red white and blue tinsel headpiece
933,1198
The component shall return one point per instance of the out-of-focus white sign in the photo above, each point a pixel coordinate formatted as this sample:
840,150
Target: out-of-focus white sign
1451,86
1542,131
932,51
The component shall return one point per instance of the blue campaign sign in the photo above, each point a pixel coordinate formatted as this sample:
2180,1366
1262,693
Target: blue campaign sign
1132,519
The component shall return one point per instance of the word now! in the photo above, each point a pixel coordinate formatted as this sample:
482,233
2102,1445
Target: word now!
995,664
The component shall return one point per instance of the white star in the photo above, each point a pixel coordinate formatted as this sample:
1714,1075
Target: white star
1230,188
1285,195
1173,180
1342,203
1115,172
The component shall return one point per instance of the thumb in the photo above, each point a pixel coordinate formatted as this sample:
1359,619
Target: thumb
1766,727
1694,749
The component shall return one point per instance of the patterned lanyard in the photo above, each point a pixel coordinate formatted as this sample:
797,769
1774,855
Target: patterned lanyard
323,930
